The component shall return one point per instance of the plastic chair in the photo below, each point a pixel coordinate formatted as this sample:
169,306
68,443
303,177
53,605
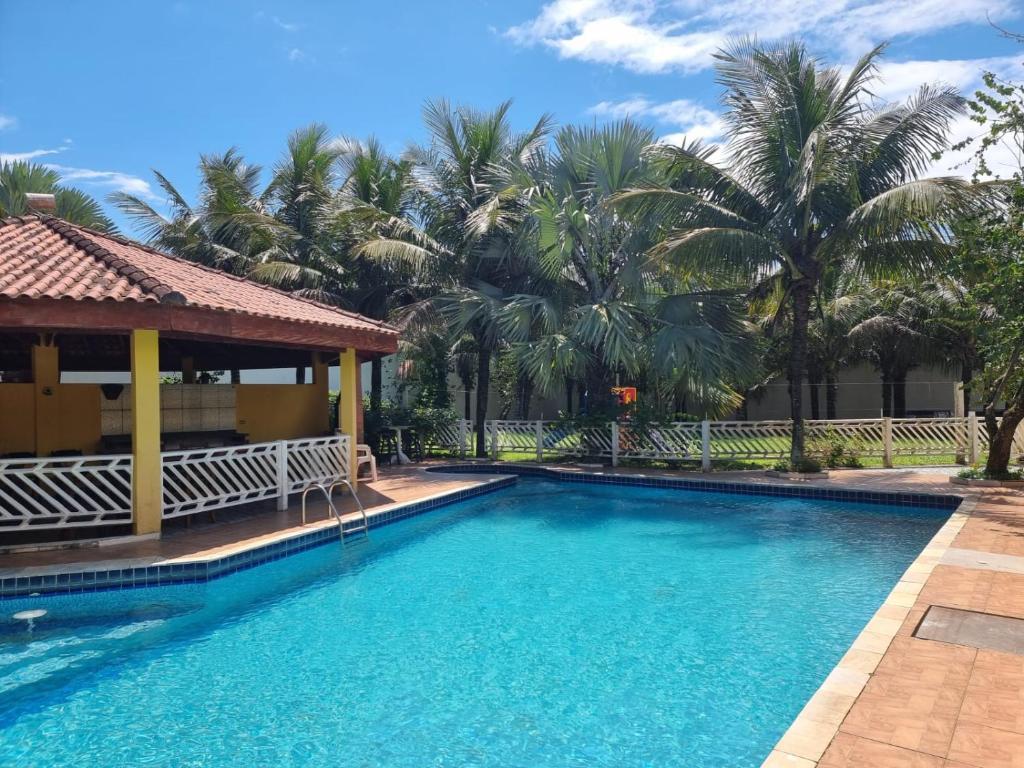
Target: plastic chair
365,456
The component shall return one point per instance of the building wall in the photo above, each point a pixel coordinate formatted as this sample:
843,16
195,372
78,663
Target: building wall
67,419
183,408
281,411
76,416
929,392
18,418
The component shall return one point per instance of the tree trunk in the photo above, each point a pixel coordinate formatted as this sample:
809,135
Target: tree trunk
797,365
300,374
376,383
525,394
1000,442
967,380
483,385
814,384
467,402
831,396
568,397
599,390
886,395
236,376
899,396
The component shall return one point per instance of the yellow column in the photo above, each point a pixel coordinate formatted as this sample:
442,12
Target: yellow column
45,380
147,487
348,402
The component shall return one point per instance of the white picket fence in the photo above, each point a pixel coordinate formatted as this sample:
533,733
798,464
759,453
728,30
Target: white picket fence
97,490
65,492
963,438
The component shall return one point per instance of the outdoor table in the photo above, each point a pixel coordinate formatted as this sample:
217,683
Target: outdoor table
402,458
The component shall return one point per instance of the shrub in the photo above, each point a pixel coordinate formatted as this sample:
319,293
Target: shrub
834,449
978,473
805,466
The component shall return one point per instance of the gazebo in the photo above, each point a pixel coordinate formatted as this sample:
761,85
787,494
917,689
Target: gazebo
122,457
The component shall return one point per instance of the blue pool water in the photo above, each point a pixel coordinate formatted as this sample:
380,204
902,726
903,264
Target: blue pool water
544,625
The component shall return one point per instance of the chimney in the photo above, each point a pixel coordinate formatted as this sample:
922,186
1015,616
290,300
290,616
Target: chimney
41,203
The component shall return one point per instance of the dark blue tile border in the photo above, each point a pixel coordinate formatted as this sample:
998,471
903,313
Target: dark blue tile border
196,572
930,500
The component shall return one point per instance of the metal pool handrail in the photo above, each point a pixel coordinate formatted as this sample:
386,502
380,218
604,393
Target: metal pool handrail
328,492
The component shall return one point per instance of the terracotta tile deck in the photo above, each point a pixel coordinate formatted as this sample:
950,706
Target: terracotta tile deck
927,704
239,528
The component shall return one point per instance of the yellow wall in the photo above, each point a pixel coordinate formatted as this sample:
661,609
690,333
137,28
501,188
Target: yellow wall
78,417
69,419
17,418
281,411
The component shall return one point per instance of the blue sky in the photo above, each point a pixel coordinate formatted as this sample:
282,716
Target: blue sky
107,91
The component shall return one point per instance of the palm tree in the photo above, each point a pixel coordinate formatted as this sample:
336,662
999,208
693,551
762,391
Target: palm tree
891,336
229,227
461,240
597,306
813,176
19,178
376,199
300,196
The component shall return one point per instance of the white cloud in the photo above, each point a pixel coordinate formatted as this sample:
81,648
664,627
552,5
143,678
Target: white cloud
662,35
6,121
688,118
111,180
287,26
899,79
277,21
32,154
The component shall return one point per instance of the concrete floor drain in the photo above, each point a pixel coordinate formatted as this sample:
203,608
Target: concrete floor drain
978,630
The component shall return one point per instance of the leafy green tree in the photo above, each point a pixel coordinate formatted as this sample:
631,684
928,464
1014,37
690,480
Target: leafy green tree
989,269
813,176
19,178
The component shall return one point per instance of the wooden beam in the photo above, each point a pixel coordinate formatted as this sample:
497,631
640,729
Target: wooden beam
188,322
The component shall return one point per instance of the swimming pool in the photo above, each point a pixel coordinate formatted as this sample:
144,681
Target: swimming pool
549,624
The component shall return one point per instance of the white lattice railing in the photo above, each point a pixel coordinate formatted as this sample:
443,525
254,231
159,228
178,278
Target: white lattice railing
748,439
456,436
97,490
864,436
741,440
929,437
316,460
65,492
212,478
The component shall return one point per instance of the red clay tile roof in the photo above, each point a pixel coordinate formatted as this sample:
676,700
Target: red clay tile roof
46,257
